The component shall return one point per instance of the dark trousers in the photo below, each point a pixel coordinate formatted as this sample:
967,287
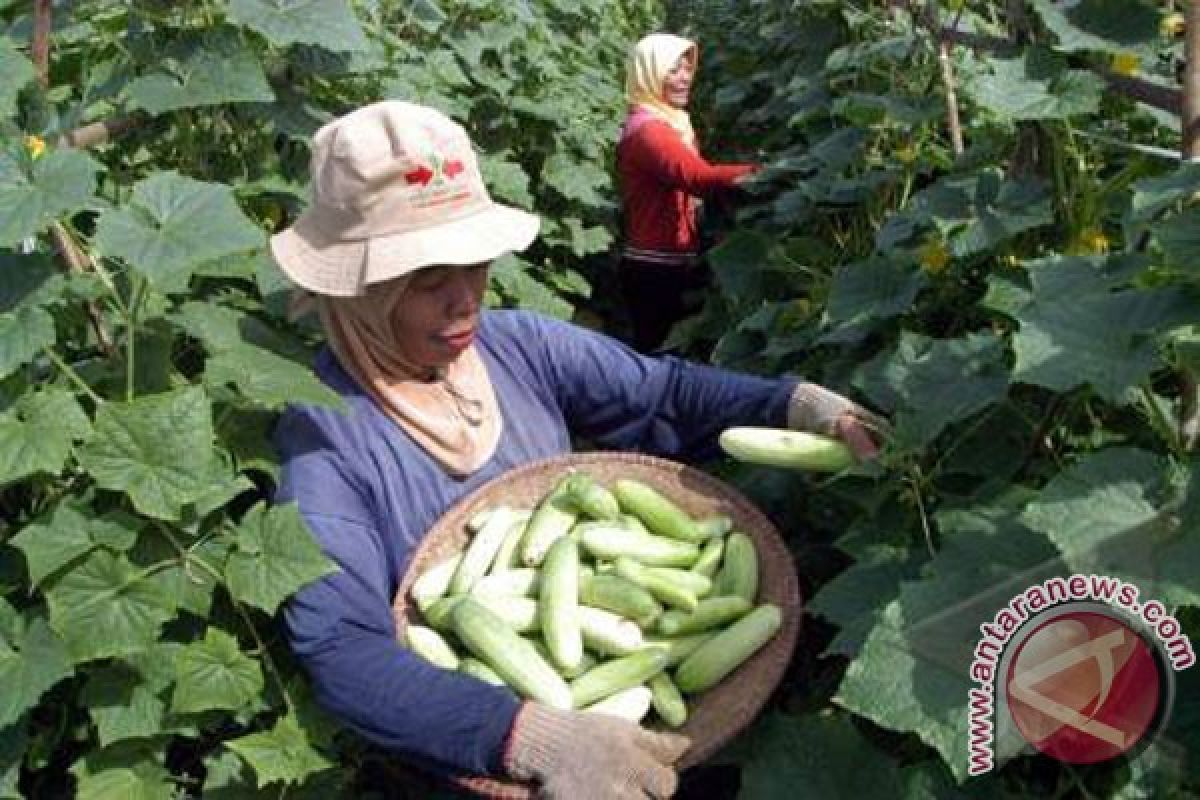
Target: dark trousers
658,296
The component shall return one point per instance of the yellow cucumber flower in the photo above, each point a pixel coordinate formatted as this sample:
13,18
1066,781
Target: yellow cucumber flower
36,145
934,256
1126,63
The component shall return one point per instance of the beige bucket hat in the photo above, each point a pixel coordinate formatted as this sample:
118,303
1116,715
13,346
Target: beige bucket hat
396,187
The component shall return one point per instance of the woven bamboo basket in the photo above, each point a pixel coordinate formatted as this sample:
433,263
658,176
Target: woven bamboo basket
716,715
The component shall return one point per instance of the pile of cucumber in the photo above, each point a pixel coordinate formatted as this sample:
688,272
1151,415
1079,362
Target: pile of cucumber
610,600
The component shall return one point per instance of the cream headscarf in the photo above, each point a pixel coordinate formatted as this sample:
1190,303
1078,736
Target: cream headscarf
649,62
452,413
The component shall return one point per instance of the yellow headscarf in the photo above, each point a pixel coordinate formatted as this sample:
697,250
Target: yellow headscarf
649,62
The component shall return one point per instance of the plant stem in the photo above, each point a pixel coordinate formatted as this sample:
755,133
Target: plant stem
135,301
266,654
915,481
187,557
73,376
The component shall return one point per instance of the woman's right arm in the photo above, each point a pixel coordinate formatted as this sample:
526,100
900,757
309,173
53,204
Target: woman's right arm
342,630
656,149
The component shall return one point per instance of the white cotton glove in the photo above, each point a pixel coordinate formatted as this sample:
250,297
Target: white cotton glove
570,755
815,409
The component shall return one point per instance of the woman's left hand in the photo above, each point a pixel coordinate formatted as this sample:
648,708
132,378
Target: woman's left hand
818,410
856,436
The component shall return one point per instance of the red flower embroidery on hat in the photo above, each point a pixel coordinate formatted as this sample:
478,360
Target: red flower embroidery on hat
452,168
422,175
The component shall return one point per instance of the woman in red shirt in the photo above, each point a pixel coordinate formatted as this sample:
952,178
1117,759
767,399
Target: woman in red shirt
662,175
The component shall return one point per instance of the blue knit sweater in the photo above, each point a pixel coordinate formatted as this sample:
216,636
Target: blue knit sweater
369,493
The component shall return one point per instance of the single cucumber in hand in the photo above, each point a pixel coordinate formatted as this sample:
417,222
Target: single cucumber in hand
777,447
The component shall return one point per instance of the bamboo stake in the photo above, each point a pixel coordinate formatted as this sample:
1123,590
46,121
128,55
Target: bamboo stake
941,35
96,133
43,21
952,120
72,254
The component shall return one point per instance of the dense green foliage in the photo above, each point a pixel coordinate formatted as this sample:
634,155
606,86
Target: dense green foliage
142,570
1023,311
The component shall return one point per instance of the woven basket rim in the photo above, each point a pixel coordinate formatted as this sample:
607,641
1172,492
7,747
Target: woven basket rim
723,711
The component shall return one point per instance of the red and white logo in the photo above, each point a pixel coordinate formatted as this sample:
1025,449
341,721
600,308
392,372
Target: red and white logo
1084,687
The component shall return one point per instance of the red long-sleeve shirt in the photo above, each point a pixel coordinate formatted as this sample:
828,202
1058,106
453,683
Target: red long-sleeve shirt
659,177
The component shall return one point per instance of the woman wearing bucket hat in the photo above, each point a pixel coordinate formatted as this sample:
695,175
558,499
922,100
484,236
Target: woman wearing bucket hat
662,175
441,397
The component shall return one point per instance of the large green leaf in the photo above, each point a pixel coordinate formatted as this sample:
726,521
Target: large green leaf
1103,496
738,262
104,606
38,662
328,23
913,673
869,290
1105,515
122,705
813,756
158,449
1036,85
222,328
26,278
156,664
1178,239
117,530
15,73
174,223
855,599
50,545
216,69
1153,195
999,209
215,674
275,555
283,753
1113,26
973,213
57,184
267,380
37,435
127,770
912,381
23,334
1099,337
